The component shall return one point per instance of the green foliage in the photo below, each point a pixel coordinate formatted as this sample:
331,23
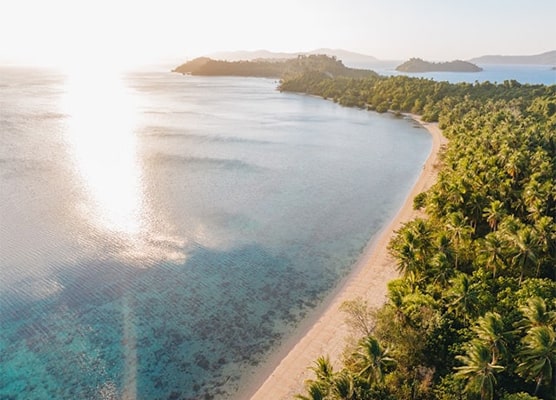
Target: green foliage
372,361
479,370
419,65
519,396
419,201
538,356
449,388
321,64
474,312
363,380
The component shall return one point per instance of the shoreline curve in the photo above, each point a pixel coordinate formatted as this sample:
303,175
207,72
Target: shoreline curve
369,279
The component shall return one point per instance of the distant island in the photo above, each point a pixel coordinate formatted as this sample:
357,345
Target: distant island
349,58
272,68
548,58
419,65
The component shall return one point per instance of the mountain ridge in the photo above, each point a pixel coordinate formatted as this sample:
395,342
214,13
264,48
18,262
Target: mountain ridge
546,58
360,60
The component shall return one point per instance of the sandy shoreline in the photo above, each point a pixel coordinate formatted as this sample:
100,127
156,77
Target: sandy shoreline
369,279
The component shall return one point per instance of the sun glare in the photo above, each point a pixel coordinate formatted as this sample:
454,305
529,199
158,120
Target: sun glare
102,116
102,141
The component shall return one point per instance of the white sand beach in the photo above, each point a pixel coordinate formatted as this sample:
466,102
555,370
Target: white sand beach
368,280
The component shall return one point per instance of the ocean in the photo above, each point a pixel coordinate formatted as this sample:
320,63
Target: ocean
161,236
494,73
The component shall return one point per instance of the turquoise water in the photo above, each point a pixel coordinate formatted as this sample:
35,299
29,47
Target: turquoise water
161,235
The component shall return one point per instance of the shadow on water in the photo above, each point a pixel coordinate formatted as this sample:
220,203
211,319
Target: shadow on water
168,331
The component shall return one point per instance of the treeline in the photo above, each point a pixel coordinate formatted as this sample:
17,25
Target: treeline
329,66
473,314
404,94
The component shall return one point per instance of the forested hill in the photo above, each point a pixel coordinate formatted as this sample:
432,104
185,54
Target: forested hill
419,65
329,66
473,314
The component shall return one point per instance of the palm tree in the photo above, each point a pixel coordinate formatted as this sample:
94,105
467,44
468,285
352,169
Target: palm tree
372,360
315,390
491,252
442,261
474,207
323,369
545,229
454,193
441,268
494,213
479,370
514,166
535,195
510,226
411,246
538,356
405,254
536,314
490,329
318,389
464,297
436,202
526,248
343,386
460,232
396,294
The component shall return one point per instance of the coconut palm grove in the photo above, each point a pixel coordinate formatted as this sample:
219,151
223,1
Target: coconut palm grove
473,313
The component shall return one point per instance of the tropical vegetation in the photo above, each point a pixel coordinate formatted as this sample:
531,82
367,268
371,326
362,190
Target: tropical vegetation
473,313
419,65
272,68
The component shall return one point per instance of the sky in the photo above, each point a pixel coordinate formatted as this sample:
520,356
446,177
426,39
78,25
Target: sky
126,32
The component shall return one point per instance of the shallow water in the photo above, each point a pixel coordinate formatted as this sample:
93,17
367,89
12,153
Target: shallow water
161,235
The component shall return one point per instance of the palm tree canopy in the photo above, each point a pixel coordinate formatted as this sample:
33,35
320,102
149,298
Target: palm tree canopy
490,329
372,360
323,368
535,313
538,354
478,370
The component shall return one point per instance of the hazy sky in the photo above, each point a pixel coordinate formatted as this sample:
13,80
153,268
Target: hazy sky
74,32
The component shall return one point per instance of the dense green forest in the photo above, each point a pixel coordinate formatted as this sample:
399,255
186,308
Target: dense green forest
330,66
473,313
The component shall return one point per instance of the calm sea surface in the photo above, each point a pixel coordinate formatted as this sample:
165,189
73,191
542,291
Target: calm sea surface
532,74
161,235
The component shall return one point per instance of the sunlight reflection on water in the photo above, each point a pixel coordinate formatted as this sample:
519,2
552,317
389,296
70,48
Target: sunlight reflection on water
102,118
101,122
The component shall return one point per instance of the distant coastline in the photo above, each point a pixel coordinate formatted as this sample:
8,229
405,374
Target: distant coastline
353,59
548,58
267,64
349,58
272,68
419,65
